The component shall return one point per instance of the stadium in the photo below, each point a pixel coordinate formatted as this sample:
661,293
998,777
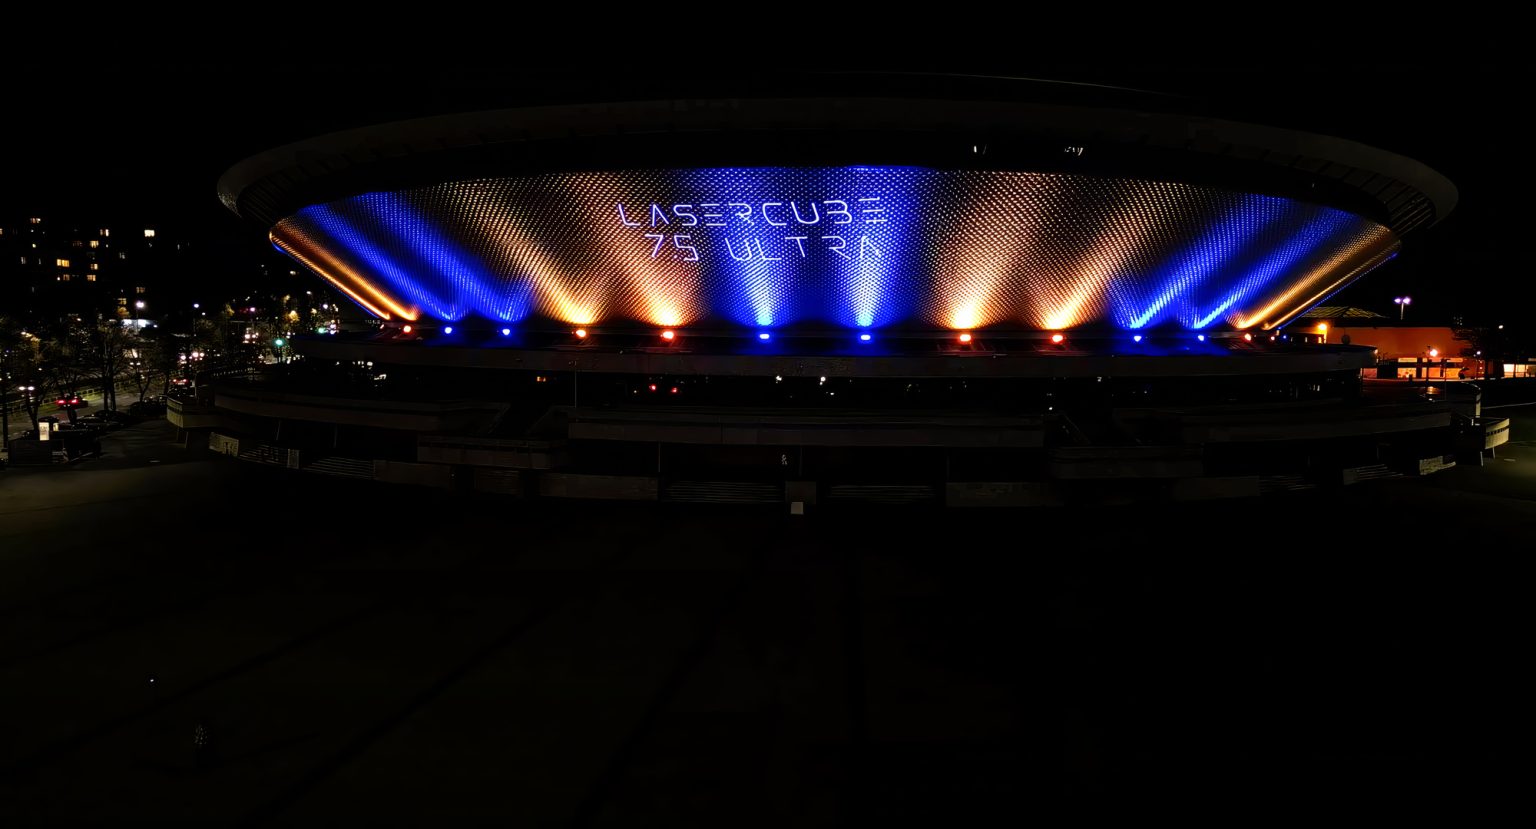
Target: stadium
949,296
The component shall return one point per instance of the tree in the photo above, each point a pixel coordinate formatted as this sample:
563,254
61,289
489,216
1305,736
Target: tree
109,347
65,361
19,366
153,357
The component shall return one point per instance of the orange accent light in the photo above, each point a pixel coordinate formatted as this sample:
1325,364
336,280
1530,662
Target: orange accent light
965,338
581,333
338,273
1057,338
669,335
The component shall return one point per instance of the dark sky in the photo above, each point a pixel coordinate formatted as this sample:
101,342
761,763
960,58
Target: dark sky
148,141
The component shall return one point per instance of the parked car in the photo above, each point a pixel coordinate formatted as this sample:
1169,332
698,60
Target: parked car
147,408
105,420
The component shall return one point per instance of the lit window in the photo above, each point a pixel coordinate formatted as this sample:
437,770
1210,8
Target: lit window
2,231
63,263
95,244
90,277
122,302
23,260
148,233
77,244
105,233
35,220
95,266
66,277
139,289
122,255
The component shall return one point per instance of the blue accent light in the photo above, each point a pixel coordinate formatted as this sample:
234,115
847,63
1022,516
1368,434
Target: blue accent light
431,253
1208,254
1285,255
506,332
1200,337
356,247
1136,337
448,329
764,336
864,338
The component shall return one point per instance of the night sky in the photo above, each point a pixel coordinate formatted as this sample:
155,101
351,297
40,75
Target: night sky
150,145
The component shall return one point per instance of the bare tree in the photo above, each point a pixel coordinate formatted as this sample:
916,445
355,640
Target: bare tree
65,362
19,369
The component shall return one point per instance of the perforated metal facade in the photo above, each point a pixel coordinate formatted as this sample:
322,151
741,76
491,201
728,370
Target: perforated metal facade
854,247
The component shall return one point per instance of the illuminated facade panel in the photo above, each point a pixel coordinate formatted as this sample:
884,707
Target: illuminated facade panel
853,247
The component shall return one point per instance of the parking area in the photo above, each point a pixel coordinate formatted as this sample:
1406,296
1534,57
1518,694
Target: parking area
209,640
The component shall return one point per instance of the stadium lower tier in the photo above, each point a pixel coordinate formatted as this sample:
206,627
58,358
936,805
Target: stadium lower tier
988,430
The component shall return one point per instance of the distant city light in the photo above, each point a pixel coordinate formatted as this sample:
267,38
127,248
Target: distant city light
139,305
279,342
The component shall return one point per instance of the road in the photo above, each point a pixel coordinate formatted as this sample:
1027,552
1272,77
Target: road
20,422
372,654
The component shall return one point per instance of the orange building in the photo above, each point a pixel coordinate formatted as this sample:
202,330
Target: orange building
1432,352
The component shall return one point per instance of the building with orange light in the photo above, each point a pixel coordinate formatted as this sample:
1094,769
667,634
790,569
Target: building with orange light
1424,352
966,297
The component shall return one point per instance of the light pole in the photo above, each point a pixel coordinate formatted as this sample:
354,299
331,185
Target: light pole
1402,305
27,394
5,402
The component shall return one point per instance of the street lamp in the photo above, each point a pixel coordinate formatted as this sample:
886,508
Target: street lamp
28,395
139,305
1402,305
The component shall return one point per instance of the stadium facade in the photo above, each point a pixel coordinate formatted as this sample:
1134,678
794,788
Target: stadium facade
949,299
